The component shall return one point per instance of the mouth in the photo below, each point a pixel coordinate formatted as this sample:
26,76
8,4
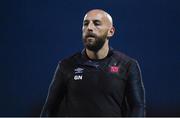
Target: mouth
90,37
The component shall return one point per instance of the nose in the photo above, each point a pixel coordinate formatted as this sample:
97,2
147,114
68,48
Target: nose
90,26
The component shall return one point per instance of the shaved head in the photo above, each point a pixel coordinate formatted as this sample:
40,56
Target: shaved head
100,11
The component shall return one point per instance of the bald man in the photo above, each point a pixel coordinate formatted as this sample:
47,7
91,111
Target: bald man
98,81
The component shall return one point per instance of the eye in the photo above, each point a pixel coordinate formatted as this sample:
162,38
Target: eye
85,23
97,23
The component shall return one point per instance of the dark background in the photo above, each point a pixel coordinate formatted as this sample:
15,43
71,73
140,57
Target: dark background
36,34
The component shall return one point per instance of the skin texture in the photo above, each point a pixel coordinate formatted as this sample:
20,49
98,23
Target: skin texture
96,31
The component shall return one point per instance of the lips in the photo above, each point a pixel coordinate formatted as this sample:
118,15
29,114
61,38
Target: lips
90,36
90,39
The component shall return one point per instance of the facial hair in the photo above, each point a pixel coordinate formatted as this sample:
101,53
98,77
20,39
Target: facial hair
94,44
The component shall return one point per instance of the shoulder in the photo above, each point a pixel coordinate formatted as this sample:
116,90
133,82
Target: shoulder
128,62
120,56
70,60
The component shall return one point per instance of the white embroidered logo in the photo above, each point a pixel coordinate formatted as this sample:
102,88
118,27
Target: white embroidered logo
78,77
78,70
78,73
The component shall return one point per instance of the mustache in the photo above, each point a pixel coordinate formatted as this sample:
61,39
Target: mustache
90,34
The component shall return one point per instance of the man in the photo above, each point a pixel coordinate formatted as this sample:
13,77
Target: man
98,81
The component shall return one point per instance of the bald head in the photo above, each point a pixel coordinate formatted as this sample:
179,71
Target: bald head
101,13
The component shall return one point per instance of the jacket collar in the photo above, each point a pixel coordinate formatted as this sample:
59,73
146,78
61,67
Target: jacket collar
85,56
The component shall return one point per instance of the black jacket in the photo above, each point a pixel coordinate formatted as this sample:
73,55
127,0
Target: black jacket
107,87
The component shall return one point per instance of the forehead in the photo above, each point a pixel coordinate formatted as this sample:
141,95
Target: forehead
95,16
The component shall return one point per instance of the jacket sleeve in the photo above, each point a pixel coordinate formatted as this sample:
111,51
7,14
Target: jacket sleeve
55,93
135,92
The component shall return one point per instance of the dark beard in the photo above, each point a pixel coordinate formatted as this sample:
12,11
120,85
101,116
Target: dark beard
97,44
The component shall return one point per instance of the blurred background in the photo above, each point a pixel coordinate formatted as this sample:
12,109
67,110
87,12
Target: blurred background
36,34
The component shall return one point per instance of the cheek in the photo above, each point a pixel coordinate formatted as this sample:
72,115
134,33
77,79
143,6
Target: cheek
103,33
102,30
83,32
84,29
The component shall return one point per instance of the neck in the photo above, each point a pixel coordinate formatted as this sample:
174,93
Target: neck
100,54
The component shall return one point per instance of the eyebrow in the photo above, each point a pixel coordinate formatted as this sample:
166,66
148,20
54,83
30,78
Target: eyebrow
86,21
96,20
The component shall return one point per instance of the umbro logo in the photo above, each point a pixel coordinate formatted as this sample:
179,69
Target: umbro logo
78,70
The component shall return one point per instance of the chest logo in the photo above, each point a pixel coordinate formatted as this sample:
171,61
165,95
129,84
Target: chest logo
78,70
114,69
78,73
78,77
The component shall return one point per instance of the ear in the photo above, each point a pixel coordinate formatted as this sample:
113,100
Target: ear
111,32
